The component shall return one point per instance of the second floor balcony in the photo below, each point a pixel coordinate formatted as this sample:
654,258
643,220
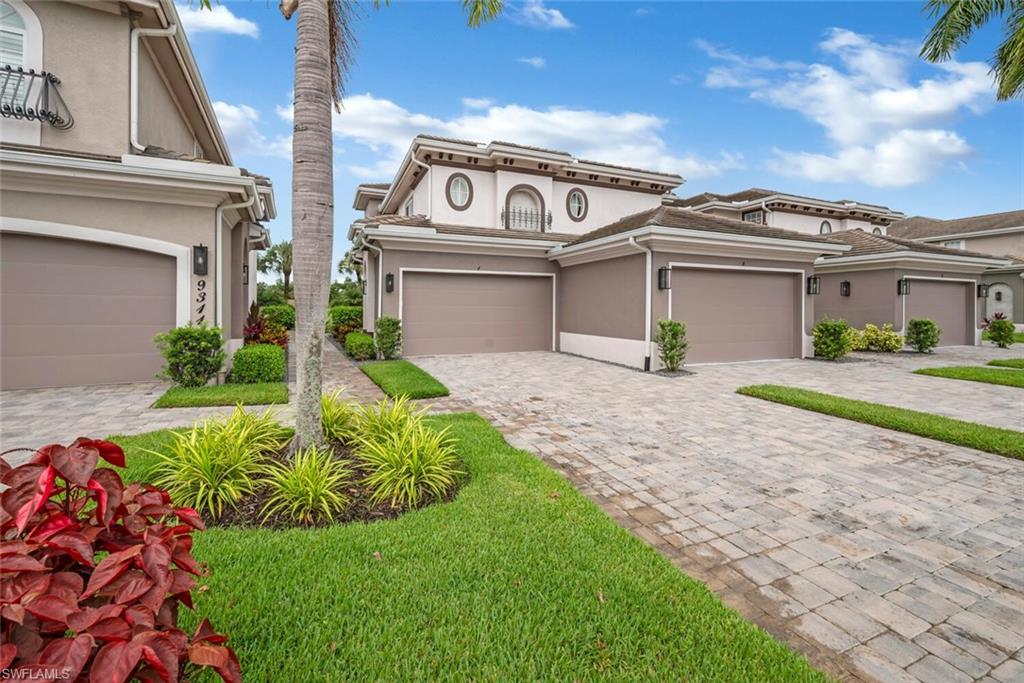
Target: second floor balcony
32,95
524,218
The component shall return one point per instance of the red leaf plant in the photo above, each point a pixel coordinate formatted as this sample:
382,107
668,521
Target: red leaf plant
70,613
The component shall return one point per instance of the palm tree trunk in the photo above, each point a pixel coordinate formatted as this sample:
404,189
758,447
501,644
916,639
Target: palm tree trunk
312,211
287,275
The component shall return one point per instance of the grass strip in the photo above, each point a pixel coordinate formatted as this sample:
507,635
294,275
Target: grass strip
224,395
402,378
997,440
1002,376
1017,363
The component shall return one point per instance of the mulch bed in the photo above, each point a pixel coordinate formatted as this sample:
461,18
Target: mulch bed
677,373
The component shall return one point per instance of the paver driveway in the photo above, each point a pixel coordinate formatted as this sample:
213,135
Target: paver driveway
880,555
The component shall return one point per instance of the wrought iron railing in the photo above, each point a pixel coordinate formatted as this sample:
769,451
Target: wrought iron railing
33,95
524,218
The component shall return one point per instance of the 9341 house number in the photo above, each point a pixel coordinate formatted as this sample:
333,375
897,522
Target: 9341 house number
201,301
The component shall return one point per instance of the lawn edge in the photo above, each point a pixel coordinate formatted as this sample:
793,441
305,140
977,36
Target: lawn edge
939,372
396,394
156,405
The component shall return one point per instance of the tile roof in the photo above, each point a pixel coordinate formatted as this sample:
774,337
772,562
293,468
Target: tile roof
919,227
674,217
446,229
375,186
755,193
865,244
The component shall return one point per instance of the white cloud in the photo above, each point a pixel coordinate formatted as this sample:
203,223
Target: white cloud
642,12
534,13
218,20
535,62
477,102
885,128
240,125
628,138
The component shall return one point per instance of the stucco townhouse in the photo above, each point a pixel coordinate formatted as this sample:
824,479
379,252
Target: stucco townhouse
121,212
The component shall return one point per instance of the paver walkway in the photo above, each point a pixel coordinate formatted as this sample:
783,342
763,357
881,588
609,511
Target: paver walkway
881,556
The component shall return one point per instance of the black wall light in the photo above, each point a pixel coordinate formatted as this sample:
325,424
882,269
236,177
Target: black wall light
664,278
983,291
903,286
389,283
814,285
245,274
200,259
844,288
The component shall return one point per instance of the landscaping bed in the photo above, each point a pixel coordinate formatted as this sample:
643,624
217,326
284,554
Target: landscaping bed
994,375
518,578
996,440
402,378
267,393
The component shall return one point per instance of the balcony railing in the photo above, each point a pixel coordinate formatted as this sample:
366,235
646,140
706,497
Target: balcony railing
523,218
33,95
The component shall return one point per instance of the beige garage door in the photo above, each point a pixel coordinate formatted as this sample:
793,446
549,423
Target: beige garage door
74,313
445,313
734,315
947,304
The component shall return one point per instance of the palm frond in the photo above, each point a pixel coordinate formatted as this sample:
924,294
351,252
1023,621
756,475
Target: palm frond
481,11
957,20
1008,64
341,16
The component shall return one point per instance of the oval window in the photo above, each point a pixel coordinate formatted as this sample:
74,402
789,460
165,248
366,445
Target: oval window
826,227
459,191
576,204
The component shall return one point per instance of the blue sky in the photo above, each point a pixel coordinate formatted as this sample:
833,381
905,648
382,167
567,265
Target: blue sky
825,99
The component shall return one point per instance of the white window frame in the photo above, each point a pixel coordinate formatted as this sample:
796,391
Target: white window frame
26,132
822,230
954,244
582,204
758,213
465,186
408,210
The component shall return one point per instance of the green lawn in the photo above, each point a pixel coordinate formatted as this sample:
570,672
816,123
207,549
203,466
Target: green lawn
1018,337
402,378
982,437
1008,363
519,578
1006,377
224,395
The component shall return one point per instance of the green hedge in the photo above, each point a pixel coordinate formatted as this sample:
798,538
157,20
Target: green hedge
258,363
344,319
359,345
282,315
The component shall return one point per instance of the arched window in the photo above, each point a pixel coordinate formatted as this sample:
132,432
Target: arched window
21,47
826,228
13,36
524,210
876,231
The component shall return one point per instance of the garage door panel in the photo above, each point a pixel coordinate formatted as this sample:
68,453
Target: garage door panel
446,313
946,304
76,312
737,315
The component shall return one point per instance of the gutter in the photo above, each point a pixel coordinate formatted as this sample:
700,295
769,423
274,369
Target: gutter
218,240
379,295
133,61
647,300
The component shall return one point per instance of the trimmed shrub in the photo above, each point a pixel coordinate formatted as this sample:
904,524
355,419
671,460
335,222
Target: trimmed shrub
258,363
832,338
882,339
270,295
346,294
283,315
344,319
857,340
94,572
194,354
388,337
359,345
1001,332
273,333
923,334
310,488
672,344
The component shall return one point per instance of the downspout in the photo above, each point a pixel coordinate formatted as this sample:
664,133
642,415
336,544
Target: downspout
134,77
647,301
766,212
218,241
430,199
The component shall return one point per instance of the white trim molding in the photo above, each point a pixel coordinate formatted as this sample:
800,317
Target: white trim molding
974,233
181,253
460,271
806,341
962,281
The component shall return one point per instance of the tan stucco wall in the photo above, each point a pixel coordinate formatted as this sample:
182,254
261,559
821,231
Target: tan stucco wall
872,297
160,120
1016,285
603,298
997,245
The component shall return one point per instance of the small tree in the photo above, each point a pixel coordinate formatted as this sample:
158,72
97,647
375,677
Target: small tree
923,334
388,337
1000,331
672,344
832,338
278,259
194,354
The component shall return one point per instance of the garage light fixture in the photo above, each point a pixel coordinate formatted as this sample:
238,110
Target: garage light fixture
844,288
903,287
245,275
664,278
389,283
814,285
983,291
200,259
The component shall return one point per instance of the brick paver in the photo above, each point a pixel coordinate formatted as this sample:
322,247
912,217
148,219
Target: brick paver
880,555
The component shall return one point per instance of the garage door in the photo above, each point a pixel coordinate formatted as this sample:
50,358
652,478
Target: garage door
734,315
74,313
946,304
445,313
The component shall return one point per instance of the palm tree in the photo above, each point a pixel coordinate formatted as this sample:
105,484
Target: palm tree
958,19
323,51
348,264
278,259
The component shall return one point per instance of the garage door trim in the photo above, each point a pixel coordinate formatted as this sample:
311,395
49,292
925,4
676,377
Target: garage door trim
961,280
458,271
181,253
798,272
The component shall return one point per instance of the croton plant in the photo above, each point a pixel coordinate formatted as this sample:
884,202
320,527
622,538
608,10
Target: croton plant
92,572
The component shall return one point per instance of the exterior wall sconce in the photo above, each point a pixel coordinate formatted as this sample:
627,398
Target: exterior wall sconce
389,283
844,288
814,285
245,274
664,278
903,286
200,259
983,291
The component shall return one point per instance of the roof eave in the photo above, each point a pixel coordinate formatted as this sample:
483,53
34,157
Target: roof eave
894,257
